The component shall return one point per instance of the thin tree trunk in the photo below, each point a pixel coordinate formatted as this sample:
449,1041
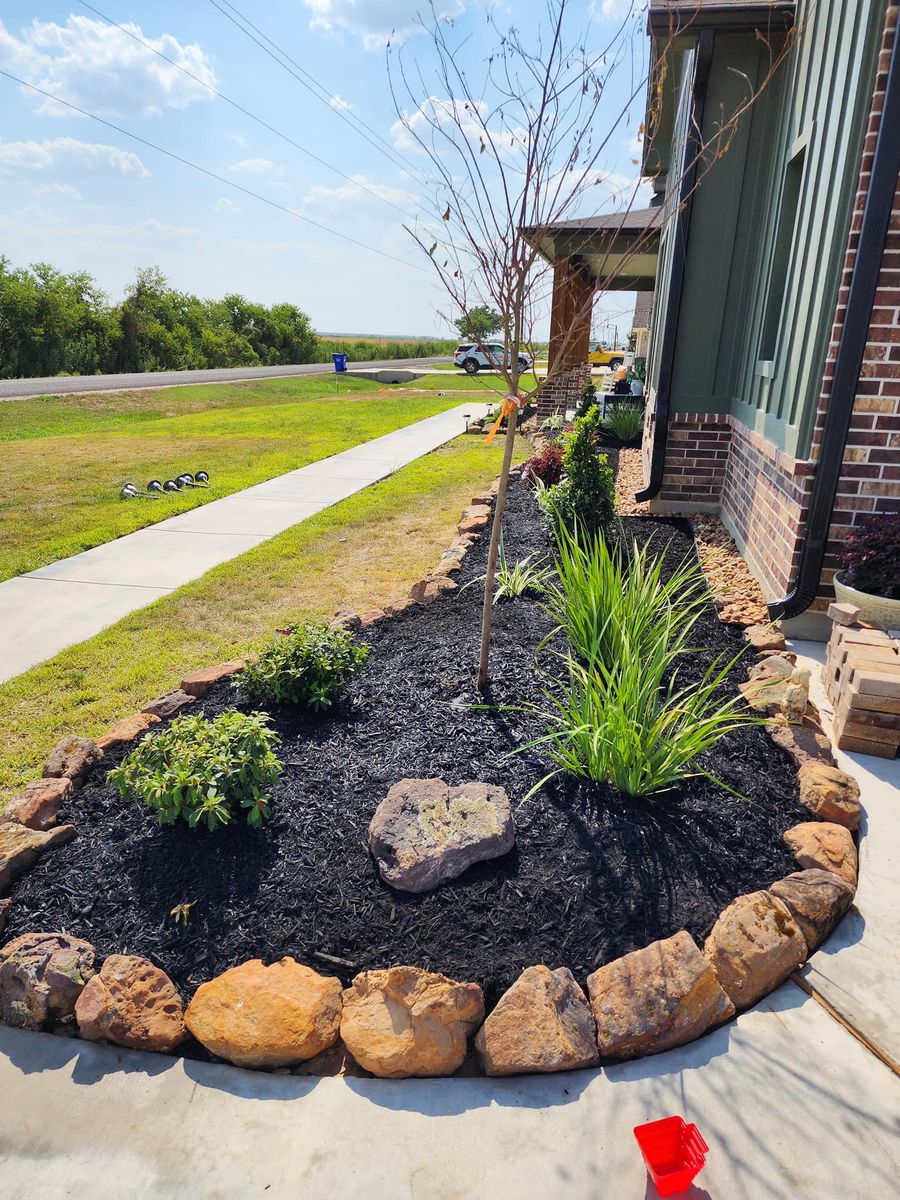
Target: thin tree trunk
487,610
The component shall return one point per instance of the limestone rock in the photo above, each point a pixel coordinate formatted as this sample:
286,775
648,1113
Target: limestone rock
41,978
766,683
652,999
20,847
817,900
447,567
542,1023
753,947
425,832
430,588
773,666
830,793
409,1022
131,1003
796,697
345,618
472,524
169,704
126,730
804,743
372,617
72,758
765,637
39,804
398,607
825,845
266,1016
198,683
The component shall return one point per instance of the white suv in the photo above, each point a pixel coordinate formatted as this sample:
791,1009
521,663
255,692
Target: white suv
472,356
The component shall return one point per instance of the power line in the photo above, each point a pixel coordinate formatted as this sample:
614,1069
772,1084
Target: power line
212,174
247,113
393,156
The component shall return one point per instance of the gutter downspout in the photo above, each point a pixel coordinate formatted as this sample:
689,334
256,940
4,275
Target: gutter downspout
693,147
851,349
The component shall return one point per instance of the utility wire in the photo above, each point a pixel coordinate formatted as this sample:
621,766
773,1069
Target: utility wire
397,159
247,113
213,175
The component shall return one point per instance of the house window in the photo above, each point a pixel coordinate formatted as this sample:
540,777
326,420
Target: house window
781,256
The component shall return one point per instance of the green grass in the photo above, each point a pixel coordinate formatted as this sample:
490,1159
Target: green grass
66,458
484,381
359,554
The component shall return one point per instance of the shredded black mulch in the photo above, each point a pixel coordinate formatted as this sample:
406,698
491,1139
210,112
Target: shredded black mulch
593,875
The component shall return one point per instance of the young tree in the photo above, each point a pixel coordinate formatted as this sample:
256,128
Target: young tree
479,323
516,126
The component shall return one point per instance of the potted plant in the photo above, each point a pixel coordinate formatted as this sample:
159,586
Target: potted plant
870,579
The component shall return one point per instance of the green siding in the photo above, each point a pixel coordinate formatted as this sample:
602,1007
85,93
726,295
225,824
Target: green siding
819,99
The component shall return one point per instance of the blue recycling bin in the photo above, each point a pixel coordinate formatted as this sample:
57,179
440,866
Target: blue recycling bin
340,362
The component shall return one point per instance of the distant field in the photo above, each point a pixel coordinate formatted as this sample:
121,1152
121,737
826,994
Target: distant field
66,458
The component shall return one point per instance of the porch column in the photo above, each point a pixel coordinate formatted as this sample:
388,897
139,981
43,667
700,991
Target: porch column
570,335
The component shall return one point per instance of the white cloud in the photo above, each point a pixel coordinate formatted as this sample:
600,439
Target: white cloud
447,112
238,139
255,166
60,191
67,159
337,101
616,10
102,69
326,197
226,206
375,22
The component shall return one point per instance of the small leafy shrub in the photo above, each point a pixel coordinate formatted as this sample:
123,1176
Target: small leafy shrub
625,421
546,466
310,665
553,426
522,578
872,556
587,402
586,495
203,771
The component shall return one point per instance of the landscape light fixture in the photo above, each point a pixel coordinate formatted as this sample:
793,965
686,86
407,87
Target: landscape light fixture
467,417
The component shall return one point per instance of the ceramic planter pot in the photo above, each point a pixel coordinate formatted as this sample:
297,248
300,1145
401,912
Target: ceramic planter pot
871,608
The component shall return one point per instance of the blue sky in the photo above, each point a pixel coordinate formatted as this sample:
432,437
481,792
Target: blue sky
85,197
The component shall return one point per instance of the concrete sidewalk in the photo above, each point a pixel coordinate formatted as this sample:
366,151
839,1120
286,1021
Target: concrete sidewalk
68,601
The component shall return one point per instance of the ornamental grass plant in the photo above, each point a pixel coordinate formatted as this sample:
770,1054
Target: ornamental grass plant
622,714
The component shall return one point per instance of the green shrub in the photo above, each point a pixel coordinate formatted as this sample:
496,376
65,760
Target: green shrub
587,401
310,665
586,496
202,770
622,717
625,421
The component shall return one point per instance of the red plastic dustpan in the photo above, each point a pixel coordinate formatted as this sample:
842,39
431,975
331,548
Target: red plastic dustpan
674,1152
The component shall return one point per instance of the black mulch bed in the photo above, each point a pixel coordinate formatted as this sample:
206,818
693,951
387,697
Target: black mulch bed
593,874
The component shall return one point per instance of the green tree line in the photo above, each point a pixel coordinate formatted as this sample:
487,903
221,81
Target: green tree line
57,324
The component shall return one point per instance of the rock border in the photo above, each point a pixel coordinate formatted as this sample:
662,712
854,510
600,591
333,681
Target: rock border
405,1021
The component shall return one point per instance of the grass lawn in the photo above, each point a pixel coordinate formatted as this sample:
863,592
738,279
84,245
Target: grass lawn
361,553
484,381
66,457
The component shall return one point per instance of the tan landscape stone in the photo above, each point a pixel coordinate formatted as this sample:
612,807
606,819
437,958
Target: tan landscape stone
126,730
372,617
347,620
199,682
39,804
169,704
132,1003
408,1022
804,743
830,793
542,1023
266,1016
472,524
652,999
41,977
754,946
816,899
430,588
825,845
20,847
765,637
72,758
425,832
397,607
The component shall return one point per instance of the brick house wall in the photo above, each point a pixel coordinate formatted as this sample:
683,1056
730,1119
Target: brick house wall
715,462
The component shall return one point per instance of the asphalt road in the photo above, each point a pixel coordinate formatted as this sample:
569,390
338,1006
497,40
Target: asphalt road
57,385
